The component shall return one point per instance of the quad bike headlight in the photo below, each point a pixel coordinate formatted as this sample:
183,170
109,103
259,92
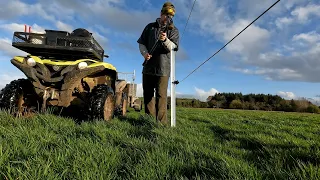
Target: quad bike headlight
31,62
56,68
82,65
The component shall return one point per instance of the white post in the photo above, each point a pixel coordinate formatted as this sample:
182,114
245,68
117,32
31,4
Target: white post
134,75
173,86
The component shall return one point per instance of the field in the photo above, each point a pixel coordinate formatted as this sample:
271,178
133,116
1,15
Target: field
206,144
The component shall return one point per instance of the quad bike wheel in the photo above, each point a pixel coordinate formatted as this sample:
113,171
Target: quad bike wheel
20,98
102,103
138,105
121,109
124,104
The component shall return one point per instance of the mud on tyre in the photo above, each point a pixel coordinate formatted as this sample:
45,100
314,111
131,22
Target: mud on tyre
20,98
121,109
101,103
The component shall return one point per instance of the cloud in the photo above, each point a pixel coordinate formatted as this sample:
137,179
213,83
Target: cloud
14,8
290,4
7,49
310,37
111,13
41,9
12,27
264,48
300,15
303,13
124,20
315,101
7,78
202,95
64,27
298,64
283,22
271,74
290,95
287,95
9,9
213,20
249,42
250,9
295,60
199,94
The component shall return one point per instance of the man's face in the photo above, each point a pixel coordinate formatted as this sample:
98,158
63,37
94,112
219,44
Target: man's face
164,18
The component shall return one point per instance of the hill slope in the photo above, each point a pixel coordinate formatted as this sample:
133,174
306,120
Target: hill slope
206,143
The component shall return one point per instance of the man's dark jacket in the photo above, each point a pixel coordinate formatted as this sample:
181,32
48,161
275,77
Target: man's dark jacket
159,64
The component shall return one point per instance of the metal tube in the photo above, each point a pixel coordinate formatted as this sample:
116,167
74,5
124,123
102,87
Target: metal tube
173,85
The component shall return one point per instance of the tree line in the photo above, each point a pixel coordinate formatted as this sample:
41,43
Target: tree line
266,102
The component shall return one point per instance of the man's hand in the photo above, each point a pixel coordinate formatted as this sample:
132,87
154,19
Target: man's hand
147,56
162,36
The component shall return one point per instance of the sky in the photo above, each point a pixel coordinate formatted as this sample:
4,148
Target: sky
279,54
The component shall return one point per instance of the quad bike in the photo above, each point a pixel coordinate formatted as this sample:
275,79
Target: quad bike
131,91
64,70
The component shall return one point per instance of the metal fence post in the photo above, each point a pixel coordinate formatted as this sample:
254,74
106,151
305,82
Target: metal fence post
173,84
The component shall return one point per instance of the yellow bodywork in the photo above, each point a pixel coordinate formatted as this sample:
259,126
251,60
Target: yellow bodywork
66,63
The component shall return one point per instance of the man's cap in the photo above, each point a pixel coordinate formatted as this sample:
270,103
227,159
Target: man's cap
168,8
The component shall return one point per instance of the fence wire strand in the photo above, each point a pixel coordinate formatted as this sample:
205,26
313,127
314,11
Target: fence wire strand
230,40
194,2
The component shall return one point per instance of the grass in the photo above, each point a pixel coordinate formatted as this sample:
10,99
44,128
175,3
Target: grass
206,144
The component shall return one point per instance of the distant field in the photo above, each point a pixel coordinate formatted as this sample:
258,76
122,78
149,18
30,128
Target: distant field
206,144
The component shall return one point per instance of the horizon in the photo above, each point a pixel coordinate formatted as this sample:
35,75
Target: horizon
277,55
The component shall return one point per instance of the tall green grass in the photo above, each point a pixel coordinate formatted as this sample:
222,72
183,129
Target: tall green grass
206,144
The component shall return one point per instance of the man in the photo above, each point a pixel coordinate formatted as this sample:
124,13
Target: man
156,66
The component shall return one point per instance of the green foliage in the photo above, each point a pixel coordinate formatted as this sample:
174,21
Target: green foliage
236,104
313,109
250,102
206,144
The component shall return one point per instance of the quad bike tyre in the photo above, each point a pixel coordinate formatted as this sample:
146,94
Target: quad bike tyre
138,105
20,98
101,103
121,109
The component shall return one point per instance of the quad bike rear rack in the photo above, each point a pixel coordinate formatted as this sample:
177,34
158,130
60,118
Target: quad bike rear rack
58,44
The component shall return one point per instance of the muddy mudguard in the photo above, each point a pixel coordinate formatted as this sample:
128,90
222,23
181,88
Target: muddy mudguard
101,103
19,95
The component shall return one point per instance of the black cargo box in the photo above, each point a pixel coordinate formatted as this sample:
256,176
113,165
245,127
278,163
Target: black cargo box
60,45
